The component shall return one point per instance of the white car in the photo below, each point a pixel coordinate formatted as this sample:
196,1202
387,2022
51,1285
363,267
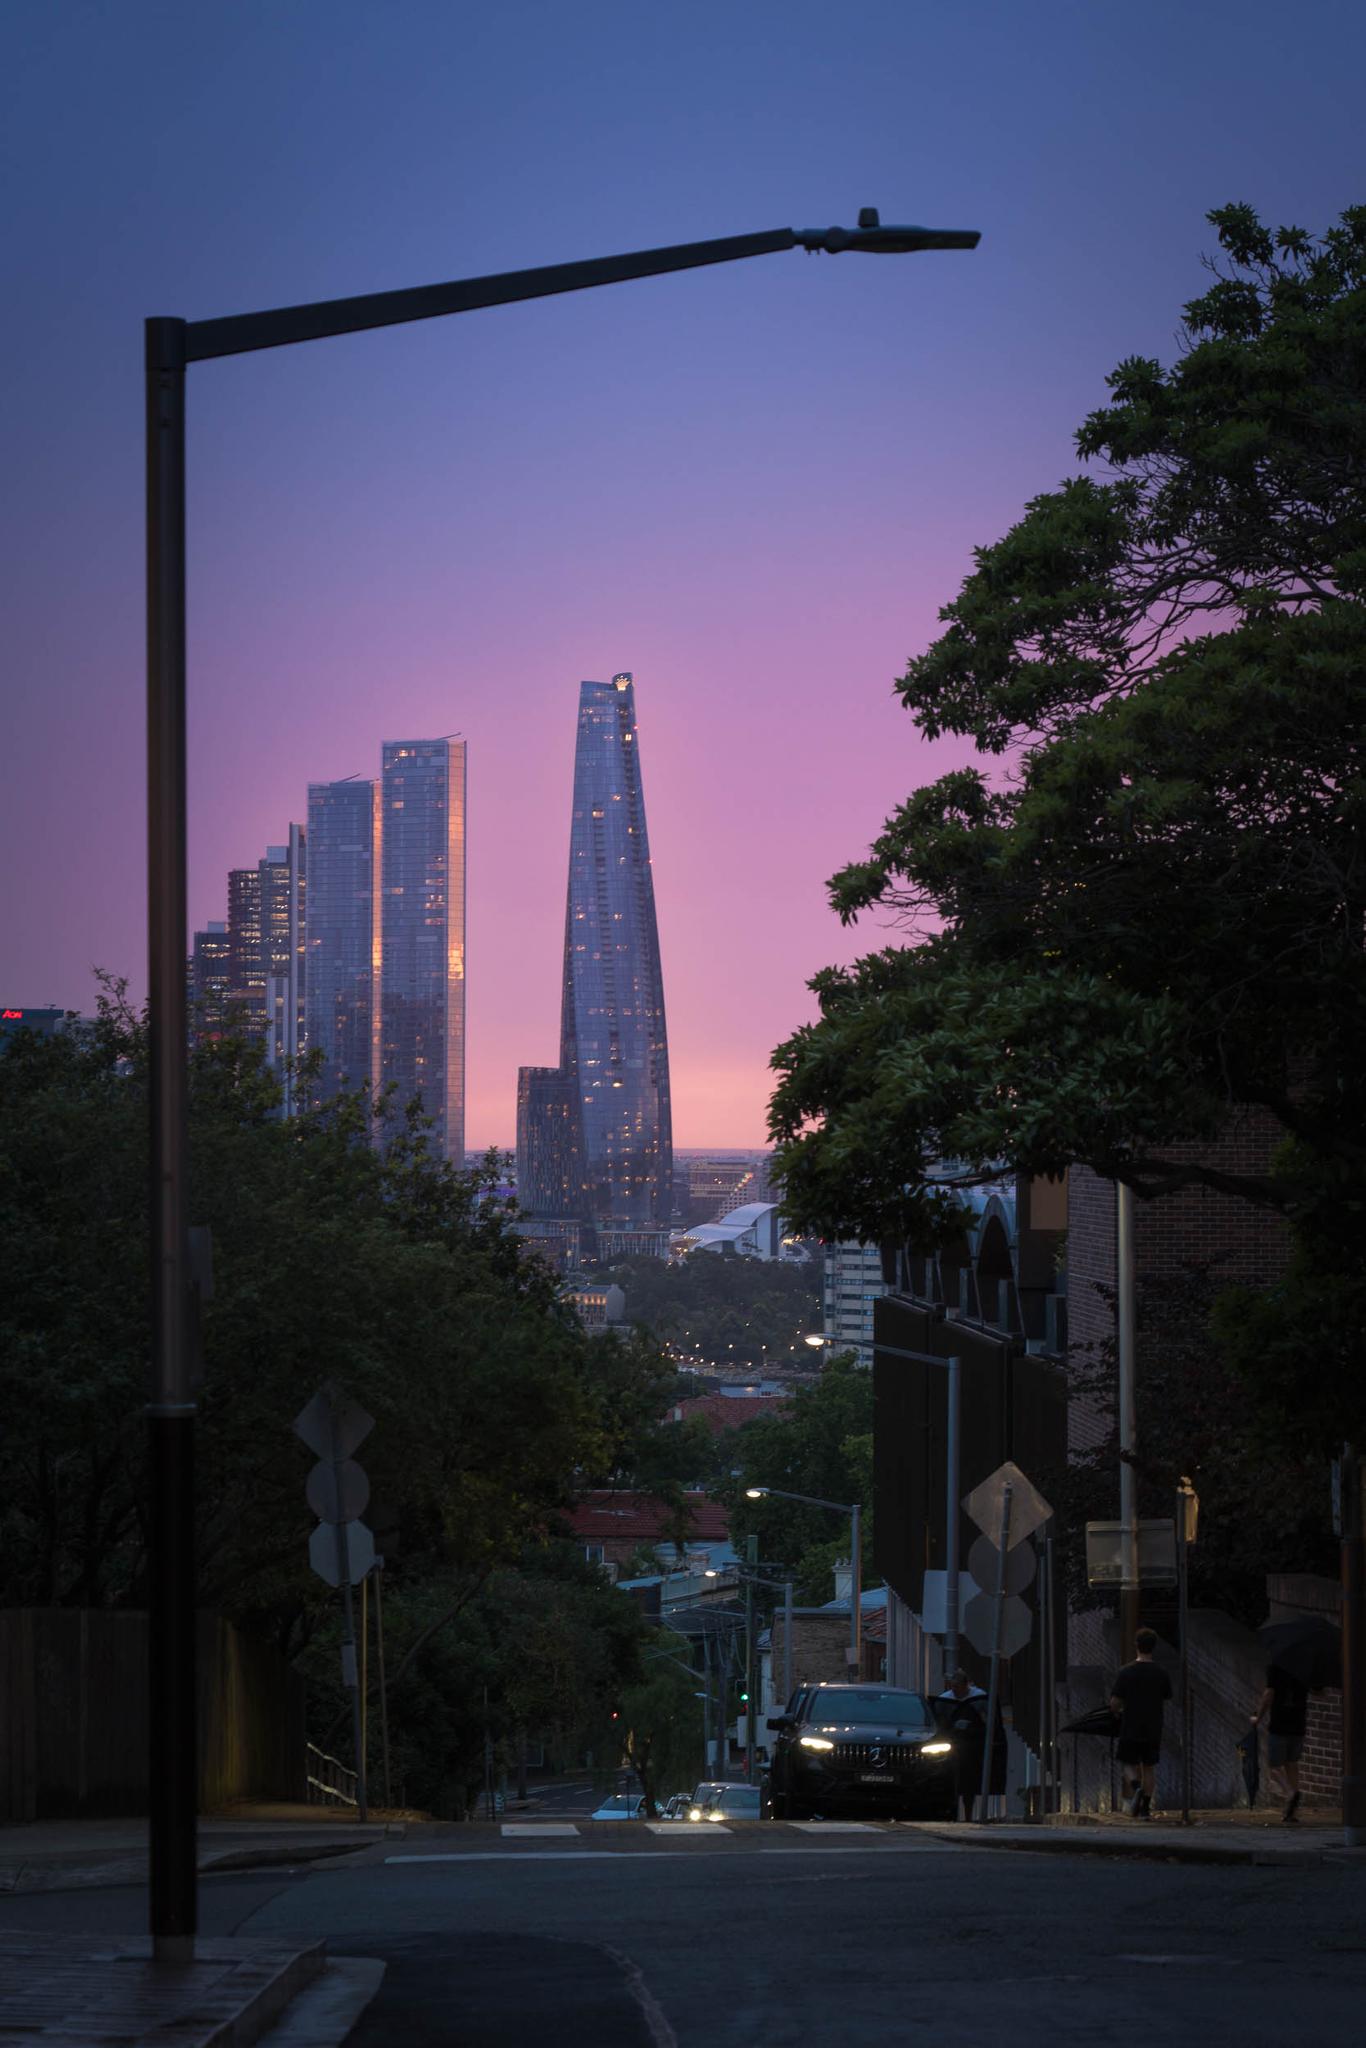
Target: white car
734,1802
620,1806
702,1797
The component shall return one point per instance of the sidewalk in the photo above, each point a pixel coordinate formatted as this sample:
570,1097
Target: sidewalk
80,1989
1214,1836
69,1855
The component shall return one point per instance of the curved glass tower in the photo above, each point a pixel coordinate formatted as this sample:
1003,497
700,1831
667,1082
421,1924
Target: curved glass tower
613,1077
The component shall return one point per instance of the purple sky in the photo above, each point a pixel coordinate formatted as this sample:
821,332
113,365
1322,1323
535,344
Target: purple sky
752,487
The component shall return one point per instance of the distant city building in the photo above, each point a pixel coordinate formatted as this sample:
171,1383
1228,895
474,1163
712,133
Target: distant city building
45,1022
631,1244
283,884
342,973
264,997
547,1138
615,1168
209,979
851,1283
753,1231
422,931
246,969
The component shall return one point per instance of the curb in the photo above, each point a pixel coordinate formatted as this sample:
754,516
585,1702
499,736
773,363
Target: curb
1140,1850
279,1855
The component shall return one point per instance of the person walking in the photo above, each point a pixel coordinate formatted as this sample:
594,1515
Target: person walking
1285,1702
1139,1693
962,1710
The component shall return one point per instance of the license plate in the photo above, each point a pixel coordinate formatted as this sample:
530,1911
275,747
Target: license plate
875,1778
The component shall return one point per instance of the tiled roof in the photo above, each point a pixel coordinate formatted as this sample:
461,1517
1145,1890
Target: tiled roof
721,1412
639,1518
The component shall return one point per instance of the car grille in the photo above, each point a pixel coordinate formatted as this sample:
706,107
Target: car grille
875,1753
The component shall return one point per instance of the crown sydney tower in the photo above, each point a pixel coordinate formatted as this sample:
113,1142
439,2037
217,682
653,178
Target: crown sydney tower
594,1135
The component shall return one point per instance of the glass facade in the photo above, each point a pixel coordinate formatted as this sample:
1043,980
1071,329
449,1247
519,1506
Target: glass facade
547,1130
617,1165
341,974
209,975
283,882
422,933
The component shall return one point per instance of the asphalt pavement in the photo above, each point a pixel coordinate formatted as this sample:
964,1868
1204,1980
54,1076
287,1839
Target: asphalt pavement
770,1936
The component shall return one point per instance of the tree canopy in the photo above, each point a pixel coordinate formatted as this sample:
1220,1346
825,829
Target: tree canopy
383,1269
1144,909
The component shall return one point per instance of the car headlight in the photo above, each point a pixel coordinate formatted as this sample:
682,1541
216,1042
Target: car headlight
715,1816
935,1748
694,1813
815,1742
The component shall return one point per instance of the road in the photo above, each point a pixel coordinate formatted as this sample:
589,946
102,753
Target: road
768,1936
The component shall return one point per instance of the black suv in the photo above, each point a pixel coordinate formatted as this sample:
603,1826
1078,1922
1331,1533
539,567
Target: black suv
861,1749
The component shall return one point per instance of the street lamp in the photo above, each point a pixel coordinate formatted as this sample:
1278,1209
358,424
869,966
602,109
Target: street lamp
752,1579
172,344
855,1514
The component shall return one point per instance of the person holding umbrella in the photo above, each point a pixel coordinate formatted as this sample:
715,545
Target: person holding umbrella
1286,1704
1303,1656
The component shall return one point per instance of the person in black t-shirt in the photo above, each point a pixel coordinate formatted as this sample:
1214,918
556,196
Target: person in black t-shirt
1139,1693
1286,1705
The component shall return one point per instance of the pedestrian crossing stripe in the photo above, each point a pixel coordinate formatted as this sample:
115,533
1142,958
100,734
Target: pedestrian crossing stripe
687,1827
538,1827
834,1827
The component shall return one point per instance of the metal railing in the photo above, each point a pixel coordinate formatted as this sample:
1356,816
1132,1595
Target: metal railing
330,1783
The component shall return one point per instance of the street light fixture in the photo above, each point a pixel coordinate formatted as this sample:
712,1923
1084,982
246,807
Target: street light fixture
855,1514
172,344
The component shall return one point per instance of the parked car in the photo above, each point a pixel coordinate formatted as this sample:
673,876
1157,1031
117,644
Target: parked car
621,1806
734,1802
861,1749
701,1795
677,1807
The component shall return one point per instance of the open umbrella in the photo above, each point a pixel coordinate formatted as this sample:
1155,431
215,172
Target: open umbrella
1099,1721
1309,1650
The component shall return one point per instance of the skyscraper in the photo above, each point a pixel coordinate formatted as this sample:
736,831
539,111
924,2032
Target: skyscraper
283,882
613,1166
265,995
343,932
422,931
208,980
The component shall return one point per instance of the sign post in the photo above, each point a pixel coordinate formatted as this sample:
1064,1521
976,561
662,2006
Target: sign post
341,1548
1009,1508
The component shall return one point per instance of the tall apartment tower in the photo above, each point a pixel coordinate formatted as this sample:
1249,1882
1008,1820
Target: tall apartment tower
283,884
422,933
265,954
595,1137
208,972
342,975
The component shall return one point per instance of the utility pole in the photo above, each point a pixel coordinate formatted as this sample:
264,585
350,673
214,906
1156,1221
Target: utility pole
1126,1333
1353,1655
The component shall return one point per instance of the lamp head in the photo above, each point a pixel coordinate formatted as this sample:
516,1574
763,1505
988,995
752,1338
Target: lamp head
755,1492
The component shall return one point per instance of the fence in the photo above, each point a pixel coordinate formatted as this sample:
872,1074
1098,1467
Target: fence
73,1715
330,1783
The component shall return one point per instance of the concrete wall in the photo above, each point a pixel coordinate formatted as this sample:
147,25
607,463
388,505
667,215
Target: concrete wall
73,1715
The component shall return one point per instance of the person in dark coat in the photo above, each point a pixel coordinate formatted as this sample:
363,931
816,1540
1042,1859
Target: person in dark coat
961,1709
1285,1703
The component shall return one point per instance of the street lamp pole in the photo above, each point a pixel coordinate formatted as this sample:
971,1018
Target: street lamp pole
171,345
855,1514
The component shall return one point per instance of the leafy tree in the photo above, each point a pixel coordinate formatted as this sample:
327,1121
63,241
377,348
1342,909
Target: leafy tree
662,1720
1264,1501
385,1270
738,1314
820,1444
1155,919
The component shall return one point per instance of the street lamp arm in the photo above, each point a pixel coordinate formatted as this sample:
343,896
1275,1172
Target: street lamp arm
241,332
808,1500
